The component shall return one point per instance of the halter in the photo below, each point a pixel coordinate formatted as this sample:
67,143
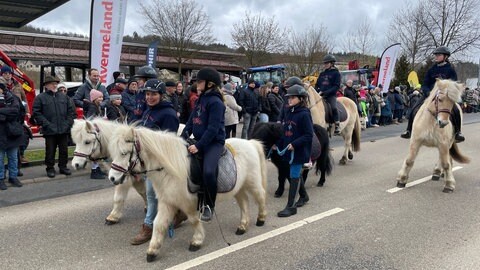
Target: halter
97,140
437,111
131,164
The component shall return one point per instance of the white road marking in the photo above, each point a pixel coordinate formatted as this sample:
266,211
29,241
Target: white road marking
254,240
419,181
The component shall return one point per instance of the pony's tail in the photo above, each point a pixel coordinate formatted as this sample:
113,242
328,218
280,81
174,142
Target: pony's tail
325,160
263,162
457,156
356,134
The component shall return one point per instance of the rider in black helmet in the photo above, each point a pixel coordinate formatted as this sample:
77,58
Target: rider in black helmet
143,75
327,85
442,69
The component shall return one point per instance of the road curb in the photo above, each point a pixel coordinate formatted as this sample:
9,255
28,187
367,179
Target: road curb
57,177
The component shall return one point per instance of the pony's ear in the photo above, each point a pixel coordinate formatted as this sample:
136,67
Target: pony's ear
89,126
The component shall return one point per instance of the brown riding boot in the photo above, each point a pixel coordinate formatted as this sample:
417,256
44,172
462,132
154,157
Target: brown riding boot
143,236
178,219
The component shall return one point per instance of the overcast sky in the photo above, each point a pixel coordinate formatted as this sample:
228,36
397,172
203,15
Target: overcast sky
339,16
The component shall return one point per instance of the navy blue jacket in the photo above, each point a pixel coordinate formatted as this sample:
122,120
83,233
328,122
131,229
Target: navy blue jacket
441,71
250,101
161,117
207,120
128,103
328,82
298,131
140,105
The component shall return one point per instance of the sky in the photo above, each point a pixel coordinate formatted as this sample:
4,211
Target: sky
339,16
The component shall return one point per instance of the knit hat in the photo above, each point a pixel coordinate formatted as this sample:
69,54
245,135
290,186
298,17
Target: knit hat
95,94
228,87
6,69
61,85
170,84
115,95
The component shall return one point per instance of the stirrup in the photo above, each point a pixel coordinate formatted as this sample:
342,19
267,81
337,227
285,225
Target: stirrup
202,211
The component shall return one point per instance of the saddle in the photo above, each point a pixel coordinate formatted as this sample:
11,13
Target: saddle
342,112
226,172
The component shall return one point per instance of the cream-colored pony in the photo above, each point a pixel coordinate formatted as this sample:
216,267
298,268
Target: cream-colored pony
91,138
349,129
431,128
164,158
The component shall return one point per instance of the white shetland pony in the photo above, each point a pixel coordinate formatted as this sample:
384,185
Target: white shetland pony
91,138
165,159
431,128
350,129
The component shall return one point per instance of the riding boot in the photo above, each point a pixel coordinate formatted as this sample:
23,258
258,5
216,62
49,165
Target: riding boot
337,128
457,124
281,187
291,208
408,133
303,195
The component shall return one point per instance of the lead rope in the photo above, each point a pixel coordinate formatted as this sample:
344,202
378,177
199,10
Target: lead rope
281,153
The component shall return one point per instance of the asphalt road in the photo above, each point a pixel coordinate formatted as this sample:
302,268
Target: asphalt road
350,223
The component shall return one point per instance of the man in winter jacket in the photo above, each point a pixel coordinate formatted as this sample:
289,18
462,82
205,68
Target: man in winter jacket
251,103
83,92
55,114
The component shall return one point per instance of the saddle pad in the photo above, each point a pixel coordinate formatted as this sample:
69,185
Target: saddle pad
226,173
342,112
316,148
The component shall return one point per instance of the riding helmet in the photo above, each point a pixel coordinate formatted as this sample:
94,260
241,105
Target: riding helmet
296,90
329,58
210,75
293,81
154,85
146,72
442,50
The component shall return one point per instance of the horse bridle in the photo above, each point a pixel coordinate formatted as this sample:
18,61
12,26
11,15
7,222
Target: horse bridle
131,164
97,140
437,111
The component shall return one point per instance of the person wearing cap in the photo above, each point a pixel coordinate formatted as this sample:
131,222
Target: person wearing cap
12,85
82,96
119,86
116,75
442,69
296,139
55,114
159,115
128,99
231,111
171,87
115,110
250,101
328,82
207,124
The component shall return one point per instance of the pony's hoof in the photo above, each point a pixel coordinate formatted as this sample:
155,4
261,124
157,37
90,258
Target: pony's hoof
350,155
401,185
342,162
260,223
151,257
435,177
320,184
447,190
241,231
193,248
110,222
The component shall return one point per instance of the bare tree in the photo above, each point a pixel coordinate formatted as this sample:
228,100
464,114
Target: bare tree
452,23
407,29
181,25
360,40
307,49
258,35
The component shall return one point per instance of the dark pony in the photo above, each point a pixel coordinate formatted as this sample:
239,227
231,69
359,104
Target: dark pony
270,133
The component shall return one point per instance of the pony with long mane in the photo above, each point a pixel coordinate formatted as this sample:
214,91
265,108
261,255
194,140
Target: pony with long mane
431,128
270,133
91,138
164,158
349,128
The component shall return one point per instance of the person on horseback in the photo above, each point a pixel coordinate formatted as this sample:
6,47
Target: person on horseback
328,83
159,115
442,69
207,124
296,139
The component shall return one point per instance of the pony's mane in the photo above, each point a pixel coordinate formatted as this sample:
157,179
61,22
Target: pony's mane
166,148
267,133
453,89
313,96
